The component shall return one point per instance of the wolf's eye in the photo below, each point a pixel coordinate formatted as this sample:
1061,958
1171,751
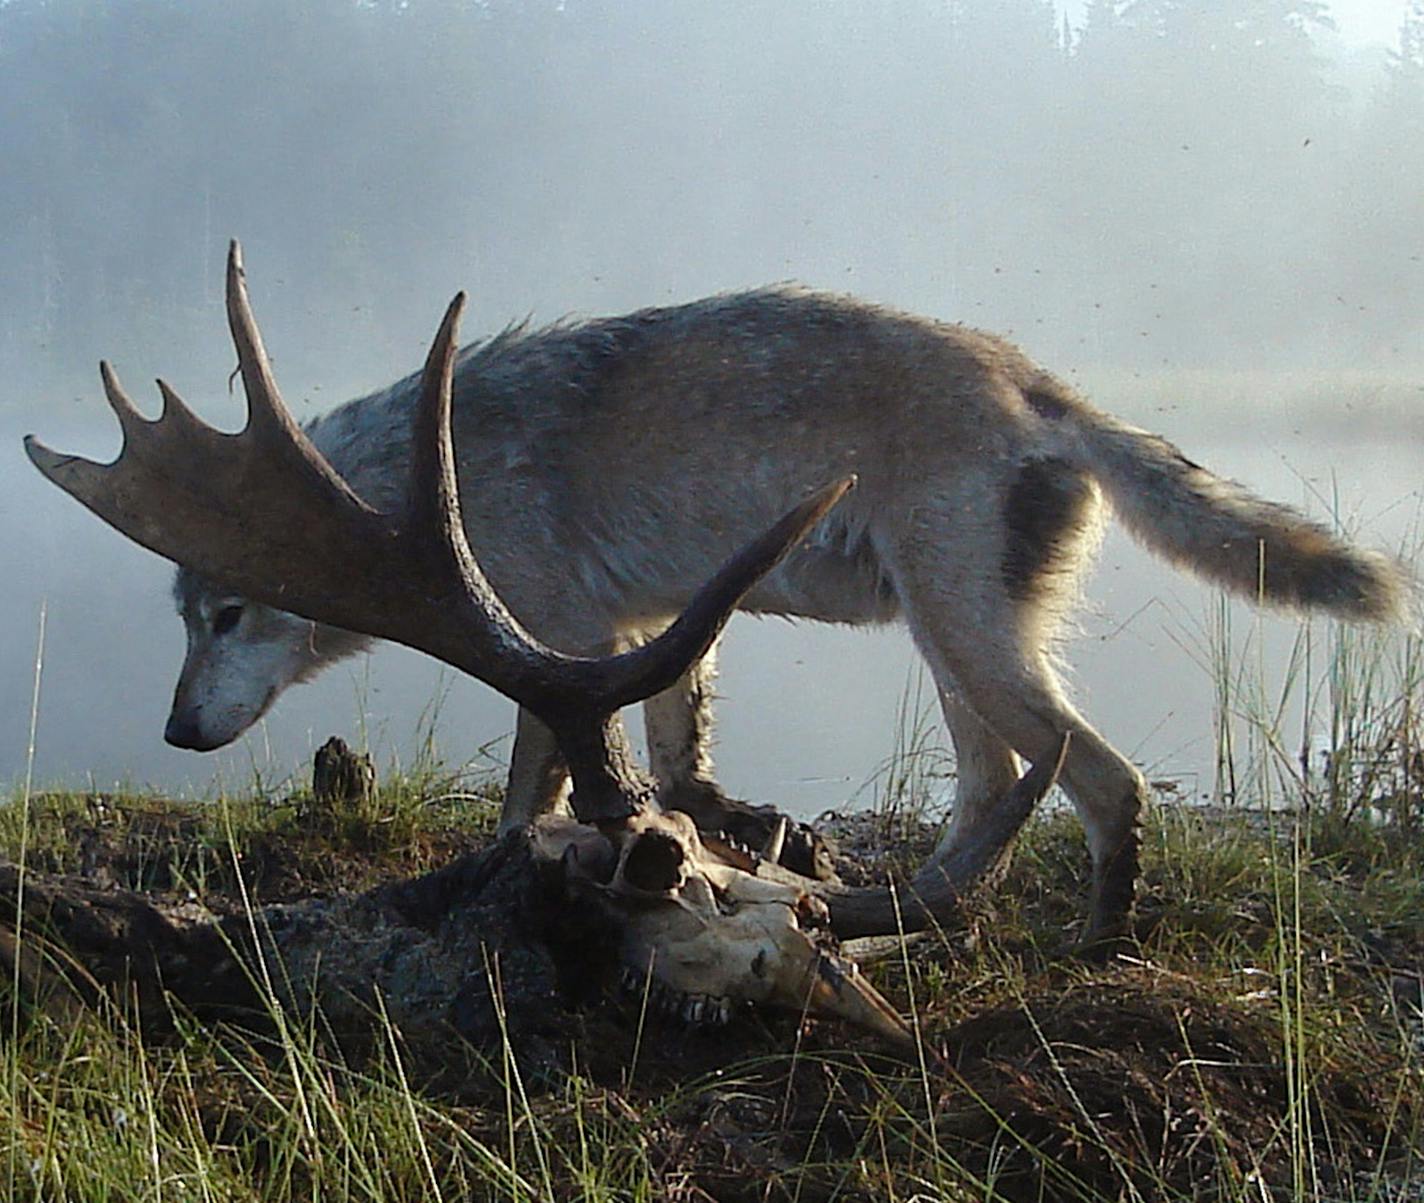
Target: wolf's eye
226,619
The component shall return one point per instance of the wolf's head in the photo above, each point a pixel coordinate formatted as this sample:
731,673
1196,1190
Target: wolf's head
241,656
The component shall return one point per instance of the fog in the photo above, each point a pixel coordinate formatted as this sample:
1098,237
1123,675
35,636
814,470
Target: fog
1208,214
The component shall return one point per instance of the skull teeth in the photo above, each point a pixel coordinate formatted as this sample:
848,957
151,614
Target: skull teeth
736,845
695,1010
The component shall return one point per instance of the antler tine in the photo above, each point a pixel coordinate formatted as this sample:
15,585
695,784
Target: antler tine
580,699
433,497
270,424
432,507
934,895
175,410
657,664
124,409
79,477
475,628
266,412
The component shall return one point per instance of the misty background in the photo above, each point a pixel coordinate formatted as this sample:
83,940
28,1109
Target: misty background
1209,214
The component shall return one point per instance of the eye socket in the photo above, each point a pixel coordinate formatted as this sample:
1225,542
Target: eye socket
227,618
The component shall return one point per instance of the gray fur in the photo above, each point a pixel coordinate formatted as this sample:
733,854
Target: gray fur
608,467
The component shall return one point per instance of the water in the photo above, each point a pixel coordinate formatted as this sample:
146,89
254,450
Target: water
807,713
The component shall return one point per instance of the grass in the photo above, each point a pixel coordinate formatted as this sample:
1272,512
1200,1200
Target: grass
1264,1040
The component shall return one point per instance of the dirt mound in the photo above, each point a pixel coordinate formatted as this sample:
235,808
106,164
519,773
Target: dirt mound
1038,1079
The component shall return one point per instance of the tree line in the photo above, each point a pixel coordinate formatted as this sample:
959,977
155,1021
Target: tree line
1168,180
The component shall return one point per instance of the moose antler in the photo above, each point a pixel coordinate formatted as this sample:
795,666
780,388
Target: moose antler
264,512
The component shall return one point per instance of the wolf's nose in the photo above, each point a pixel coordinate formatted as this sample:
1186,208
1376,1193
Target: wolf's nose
184,733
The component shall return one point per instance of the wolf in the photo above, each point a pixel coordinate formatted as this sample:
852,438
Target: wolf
606,468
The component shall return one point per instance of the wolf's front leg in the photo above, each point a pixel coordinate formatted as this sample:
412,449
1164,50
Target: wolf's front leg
538,778
679,725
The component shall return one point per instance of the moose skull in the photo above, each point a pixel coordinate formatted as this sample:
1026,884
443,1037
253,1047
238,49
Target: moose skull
707,933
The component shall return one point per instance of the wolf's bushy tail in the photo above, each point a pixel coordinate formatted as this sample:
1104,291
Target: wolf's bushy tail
1218,530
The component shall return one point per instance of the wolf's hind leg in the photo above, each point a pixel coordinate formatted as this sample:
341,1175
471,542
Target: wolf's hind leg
986,770
985,636
1023,702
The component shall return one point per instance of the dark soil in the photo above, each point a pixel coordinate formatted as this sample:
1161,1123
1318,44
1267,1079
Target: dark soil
299,851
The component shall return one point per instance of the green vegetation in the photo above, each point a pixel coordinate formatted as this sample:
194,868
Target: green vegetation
1264,1042
1263,1039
